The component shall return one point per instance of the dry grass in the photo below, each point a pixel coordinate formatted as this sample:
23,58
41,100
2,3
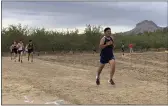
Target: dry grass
140,79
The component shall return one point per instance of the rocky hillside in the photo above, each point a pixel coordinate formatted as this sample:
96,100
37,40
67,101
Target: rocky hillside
144,26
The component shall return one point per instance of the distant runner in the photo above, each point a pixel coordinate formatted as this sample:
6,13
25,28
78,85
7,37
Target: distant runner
94,49
13,49
131,47
30,48
38,53
106,55
52,49
20,50
122,47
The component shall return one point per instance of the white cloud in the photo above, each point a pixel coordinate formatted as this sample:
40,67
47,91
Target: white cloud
121,16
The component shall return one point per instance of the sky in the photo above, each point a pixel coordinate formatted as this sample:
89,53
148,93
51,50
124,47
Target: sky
120,16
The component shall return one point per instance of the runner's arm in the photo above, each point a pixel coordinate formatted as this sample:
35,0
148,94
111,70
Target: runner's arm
26,46
33,47
18,46
11,47
112,41
102,45
23,47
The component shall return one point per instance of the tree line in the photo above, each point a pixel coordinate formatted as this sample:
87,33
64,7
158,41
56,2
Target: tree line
45,40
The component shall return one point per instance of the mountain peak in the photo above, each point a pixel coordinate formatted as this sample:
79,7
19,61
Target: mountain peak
144,26
146,22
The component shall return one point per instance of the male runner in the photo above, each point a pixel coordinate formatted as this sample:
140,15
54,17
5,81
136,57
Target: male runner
13,49
106,55
20,50
94,49
131,47
122,47
30,48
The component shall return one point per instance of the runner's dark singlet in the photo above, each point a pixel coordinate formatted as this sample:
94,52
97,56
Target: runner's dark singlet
14,49
107,53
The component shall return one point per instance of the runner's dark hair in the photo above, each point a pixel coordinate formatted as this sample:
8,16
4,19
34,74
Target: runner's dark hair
107,28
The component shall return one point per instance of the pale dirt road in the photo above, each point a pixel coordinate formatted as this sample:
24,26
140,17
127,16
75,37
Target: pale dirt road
72,78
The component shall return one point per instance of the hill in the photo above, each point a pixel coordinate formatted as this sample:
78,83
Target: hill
144,26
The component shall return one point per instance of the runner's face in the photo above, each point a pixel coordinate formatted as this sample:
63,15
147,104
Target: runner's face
108,32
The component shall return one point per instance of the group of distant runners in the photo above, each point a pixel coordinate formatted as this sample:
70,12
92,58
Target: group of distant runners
123,48
18,49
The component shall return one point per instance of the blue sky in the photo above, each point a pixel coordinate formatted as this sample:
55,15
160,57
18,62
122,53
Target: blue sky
120,16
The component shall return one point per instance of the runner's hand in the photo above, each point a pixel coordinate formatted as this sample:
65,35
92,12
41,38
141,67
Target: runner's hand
109,43
114,46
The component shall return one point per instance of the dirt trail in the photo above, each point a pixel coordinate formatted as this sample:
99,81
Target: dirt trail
74,82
